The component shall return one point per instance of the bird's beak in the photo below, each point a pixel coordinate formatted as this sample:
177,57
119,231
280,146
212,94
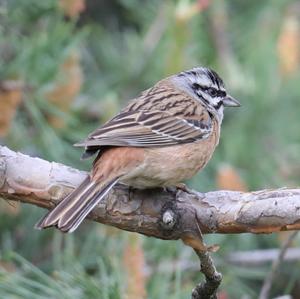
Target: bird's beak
229,101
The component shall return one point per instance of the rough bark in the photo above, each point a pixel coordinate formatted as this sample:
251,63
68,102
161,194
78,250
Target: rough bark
165,214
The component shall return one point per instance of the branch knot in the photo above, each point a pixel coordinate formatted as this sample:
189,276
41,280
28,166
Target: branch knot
168,219
169,216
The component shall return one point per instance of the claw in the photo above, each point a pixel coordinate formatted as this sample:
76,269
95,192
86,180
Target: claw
183,187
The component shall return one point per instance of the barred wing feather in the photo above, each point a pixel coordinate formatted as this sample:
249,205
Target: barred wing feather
147,129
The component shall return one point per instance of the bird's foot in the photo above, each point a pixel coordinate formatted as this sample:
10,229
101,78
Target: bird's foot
178,187
170,189
183,187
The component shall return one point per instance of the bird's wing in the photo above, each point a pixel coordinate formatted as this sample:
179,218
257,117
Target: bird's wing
147,129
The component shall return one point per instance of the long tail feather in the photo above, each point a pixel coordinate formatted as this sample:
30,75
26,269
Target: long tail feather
72,210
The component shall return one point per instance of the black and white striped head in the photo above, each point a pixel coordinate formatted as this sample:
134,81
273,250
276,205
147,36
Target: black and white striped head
206,86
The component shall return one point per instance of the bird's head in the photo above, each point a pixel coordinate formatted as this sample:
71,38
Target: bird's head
207,87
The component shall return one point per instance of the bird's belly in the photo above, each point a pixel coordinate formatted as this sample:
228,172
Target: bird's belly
168,166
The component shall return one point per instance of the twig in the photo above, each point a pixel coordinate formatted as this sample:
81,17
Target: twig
256,258
251,258
208,288
264,293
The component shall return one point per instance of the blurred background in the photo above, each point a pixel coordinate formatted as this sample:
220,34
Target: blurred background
68,65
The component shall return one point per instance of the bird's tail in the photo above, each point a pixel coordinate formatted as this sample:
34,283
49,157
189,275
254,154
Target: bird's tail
72,210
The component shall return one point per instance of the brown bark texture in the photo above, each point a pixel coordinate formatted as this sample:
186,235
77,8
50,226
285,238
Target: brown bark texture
166,214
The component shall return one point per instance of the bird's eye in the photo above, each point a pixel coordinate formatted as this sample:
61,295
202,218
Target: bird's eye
196,86
212,92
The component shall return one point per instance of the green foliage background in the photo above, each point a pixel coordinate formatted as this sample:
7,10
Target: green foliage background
122,52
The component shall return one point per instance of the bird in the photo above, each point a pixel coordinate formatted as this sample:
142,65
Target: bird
161,138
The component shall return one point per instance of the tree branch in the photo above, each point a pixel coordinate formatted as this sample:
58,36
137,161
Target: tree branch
208,288
165,214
